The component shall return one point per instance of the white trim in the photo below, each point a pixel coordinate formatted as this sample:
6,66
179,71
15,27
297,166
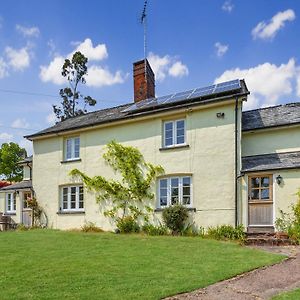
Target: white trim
180,190
174,133
69,209
13,203
72,148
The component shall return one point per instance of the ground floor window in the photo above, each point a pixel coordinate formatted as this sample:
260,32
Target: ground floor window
72,198
11,204
175,190
26,196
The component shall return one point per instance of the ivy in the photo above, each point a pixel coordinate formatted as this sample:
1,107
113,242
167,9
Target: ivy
131,196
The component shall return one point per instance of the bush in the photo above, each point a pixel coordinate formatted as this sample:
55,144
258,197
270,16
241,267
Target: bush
90,227
127,225
192,230
175,218
226,232
290,222
155,230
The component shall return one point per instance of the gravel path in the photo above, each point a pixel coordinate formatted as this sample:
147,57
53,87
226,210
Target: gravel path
262,283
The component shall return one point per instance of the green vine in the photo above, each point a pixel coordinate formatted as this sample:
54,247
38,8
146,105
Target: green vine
131,195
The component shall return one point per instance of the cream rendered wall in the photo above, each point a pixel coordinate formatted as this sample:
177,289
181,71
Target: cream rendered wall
209,158
16,217
271,141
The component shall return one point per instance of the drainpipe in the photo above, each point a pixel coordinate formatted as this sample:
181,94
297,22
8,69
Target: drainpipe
236,162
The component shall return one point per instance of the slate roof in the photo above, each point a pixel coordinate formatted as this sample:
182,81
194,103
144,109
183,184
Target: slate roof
117,113
275,116
273,161
25,184
26,160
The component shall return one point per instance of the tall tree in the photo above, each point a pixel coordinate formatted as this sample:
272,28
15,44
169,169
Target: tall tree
10,155
75,71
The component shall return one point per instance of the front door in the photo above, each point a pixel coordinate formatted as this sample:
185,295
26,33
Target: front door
260,201
26,211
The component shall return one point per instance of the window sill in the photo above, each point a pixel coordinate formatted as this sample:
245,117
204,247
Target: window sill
9,214
174,147
161,209
70,161
70,213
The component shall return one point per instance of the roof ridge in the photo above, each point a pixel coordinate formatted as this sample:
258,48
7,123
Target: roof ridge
269,107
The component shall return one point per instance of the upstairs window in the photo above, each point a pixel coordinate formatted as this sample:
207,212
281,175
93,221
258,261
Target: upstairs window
175,190
11,203
72,148
174,133
72,198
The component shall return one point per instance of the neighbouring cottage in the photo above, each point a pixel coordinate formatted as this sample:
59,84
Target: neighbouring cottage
227,166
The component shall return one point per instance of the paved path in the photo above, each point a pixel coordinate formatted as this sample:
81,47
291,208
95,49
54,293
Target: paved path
258,284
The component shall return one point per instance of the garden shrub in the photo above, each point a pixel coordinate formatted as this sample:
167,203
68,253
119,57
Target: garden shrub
155,230
175,218
192,230
290,222
127,225
226,232
91,227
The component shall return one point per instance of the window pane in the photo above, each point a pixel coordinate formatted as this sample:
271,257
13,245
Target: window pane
169,126
255,182
69,149
73,197
65,198
168,134
180,124
180,140
255,194
77,147
80,197
169,142
163,192
163,183
265,181
174,191
186,200
180,132
265,194
163,201
15,204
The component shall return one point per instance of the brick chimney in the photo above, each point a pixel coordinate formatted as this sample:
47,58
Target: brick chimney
144,86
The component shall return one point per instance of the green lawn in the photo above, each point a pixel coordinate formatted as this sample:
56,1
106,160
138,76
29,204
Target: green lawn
49,264
293,295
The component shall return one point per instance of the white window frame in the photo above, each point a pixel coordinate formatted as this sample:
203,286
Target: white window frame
12,207
73,151
180,191
69,209
174,133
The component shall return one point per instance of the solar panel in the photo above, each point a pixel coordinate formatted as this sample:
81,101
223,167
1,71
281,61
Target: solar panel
186,95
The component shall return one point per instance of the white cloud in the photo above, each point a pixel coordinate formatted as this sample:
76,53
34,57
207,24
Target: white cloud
28,31
97,76
268,30
221,49
166,65
96,53
298,82
52,72
5,137
178,69
228,6
19,59
27,145
3,68
266,82
20,123
51,118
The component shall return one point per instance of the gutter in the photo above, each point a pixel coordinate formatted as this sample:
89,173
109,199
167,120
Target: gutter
236,162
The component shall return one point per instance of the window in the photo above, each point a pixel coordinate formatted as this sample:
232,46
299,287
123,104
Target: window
11,204
174,133
72,148
260,188
175,190
72,198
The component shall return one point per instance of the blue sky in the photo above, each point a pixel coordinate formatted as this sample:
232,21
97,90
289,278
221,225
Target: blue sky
190,44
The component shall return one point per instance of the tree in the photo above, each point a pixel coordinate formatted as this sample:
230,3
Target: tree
129,196
10,155
74,70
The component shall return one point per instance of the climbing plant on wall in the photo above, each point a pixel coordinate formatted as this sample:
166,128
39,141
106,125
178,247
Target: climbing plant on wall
131,196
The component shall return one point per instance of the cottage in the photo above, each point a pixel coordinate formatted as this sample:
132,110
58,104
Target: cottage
225,165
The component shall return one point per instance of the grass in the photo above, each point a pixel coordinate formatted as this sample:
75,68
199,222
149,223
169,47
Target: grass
293,295
49,264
